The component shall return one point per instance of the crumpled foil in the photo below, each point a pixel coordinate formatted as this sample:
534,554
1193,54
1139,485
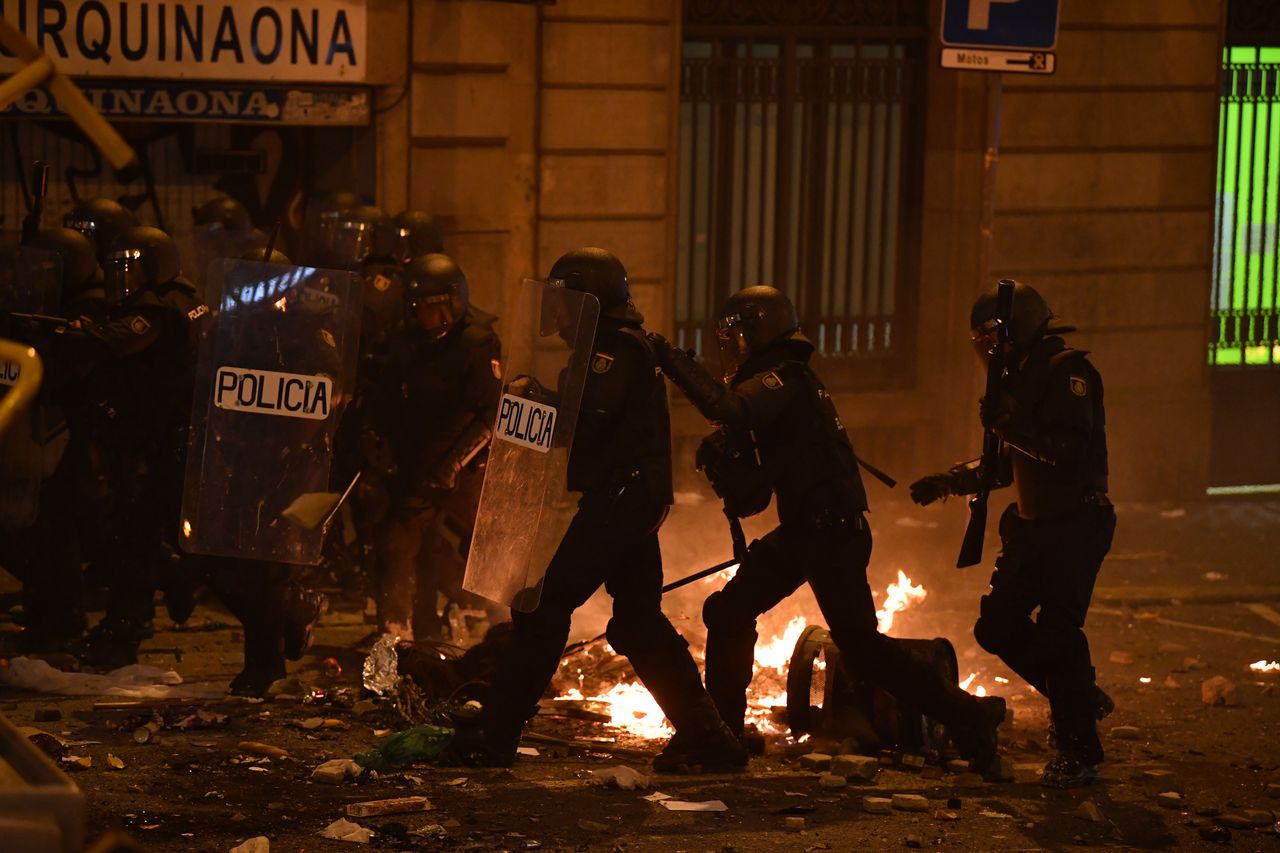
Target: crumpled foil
381,667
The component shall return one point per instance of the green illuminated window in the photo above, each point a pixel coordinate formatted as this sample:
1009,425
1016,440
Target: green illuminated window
1246,262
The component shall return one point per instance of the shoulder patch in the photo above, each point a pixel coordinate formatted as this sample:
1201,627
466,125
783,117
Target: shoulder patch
601,363
139,325
381,283
497,368
197,312
1079,386
771,380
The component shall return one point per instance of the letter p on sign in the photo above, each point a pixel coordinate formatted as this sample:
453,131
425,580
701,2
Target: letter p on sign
980,13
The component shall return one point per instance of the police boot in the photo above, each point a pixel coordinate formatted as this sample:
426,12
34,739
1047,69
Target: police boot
1079,754
704,744
303,610
977,738
256,679
1105,706
113,643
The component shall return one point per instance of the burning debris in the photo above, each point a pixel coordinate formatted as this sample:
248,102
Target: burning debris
1265,666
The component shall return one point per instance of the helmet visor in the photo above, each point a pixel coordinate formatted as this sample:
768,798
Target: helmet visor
351,243
124,275
434,315
985,337
731,336
560,312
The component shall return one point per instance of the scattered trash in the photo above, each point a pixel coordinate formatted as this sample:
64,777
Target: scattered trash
816,761
77,762
344,830
1122,658
910,803
47,742
912,841
395,805
1173,513
114,762
946,814
1219,690
381,668
685,806
146,733
1125,732
1214,576
137,681
1088,810
527,751
330,668
793,824
1169,799
459,782
997,815
336,771
257,844
621,777
265,750
312,723
657,797
402,749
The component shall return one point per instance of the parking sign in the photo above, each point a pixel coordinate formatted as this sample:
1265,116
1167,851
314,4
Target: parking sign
1003,24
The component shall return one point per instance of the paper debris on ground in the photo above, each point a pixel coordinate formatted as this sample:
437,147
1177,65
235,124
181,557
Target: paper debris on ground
344,830
657,797
257,844
134,682
622,777
685,806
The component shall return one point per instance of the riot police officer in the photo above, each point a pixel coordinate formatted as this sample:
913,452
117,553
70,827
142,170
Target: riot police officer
621,463
102,220
47,556
433,404
776,409
1050,416
136,367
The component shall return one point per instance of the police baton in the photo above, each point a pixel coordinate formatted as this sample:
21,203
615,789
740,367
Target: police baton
697,576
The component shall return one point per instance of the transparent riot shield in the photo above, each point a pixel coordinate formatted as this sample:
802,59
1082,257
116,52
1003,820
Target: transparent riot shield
31,285
276,369
525,504
207,243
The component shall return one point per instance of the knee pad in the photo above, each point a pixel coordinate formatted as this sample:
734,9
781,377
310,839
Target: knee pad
633,635
991,632
719,613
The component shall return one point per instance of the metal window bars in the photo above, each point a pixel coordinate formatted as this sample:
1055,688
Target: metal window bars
1245,323
799,167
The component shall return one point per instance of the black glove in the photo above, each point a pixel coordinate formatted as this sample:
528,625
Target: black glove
528,388
995,413
662,348
932,488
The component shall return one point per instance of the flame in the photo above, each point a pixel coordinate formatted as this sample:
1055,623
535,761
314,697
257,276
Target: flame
633,709
898,597
1264,666
979,690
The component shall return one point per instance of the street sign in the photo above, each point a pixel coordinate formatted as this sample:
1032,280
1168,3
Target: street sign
1017,61
1002,24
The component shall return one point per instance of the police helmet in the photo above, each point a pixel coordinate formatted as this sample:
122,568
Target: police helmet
416,234
277,256
79,262
357,232
1032,319
101,220
224,211
599,273
435,294
750,320
141,257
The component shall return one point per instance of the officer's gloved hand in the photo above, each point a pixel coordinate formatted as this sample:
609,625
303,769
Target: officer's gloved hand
444,478
527,387
932,488
995,413
662,348
376,454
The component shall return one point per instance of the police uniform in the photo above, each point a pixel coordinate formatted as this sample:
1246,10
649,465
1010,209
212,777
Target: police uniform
434,404
777,403
621,463
1054,537
135,372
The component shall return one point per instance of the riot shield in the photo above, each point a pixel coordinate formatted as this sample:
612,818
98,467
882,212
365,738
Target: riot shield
31,284
276,369
207,243
525,504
